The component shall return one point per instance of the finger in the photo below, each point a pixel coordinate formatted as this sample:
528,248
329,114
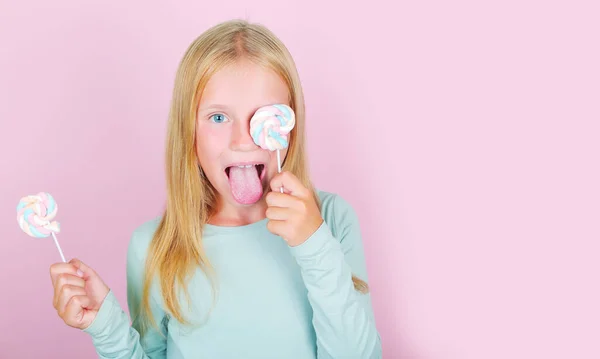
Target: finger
86,270
75,308
278,213
67,292
278,228
62,268
276,199
290,183
65,280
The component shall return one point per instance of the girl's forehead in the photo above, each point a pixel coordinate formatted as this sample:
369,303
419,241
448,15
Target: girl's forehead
243,86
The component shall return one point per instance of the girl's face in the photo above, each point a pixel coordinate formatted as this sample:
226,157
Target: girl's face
239,170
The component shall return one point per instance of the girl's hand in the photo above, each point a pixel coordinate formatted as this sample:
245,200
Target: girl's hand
78,292
293,215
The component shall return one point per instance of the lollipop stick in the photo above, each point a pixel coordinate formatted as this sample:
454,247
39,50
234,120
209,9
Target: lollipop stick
279,167
58,246
278,162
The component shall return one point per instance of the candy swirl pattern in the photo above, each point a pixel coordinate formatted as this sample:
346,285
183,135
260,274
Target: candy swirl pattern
270,126
35,215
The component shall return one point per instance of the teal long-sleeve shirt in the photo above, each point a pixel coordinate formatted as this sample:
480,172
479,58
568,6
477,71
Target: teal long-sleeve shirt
272,300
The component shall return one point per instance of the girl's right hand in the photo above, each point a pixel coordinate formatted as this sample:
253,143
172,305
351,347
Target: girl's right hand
78,292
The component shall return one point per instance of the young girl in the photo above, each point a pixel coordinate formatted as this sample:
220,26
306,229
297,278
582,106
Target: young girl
233,268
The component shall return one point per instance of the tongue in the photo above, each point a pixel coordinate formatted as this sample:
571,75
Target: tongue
245,184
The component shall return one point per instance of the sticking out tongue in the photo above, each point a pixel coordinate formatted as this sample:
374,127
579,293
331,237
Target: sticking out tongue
245,185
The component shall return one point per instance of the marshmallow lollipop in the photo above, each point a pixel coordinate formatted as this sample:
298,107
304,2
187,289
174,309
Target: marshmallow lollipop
270,127
35,215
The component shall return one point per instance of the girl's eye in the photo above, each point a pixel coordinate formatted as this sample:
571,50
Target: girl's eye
218,118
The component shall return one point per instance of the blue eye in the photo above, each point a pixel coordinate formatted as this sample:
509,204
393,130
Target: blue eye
217,118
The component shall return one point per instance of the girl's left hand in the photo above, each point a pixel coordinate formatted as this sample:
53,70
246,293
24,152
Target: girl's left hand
293,215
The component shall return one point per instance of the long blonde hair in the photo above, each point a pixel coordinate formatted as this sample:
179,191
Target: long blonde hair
176,249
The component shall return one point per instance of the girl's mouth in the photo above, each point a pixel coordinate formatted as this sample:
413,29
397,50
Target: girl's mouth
260,169
246,181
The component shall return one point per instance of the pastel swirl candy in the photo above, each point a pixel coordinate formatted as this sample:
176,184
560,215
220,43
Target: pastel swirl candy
270,126
35,215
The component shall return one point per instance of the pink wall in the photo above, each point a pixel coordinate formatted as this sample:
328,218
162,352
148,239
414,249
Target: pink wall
472,132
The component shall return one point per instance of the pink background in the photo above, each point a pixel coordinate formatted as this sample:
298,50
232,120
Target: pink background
470,131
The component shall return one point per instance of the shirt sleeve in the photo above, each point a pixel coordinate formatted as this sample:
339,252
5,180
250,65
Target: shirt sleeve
342,317
111,332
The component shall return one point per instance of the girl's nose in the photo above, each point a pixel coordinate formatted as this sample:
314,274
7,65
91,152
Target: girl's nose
241,140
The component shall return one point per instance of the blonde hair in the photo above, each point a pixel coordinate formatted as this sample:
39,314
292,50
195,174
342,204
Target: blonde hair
176,249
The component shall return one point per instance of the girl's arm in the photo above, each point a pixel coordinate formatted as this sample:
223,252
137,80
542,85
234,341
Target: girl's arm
111,332
342,317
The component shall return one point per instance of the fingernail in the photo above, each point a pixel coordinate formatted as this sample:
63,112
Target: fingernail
79,273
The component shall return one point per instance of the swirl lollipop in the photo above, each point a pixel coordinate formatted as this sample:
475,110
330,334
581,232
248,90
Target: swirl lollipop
270,127
35,215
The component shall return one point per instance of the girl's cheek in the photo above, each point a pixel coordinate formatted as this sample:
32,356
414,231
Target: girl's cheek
215,135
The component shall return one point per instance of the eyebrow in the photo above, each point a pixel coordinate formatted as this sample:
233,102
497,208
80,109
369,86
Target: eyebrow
212,107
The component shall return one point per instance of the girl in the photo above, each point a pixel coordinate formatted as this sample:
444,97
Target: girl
233,268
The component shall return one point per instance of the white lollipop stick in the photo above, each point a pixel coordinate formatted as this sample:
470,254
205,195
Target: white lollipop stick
279,167
58,246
